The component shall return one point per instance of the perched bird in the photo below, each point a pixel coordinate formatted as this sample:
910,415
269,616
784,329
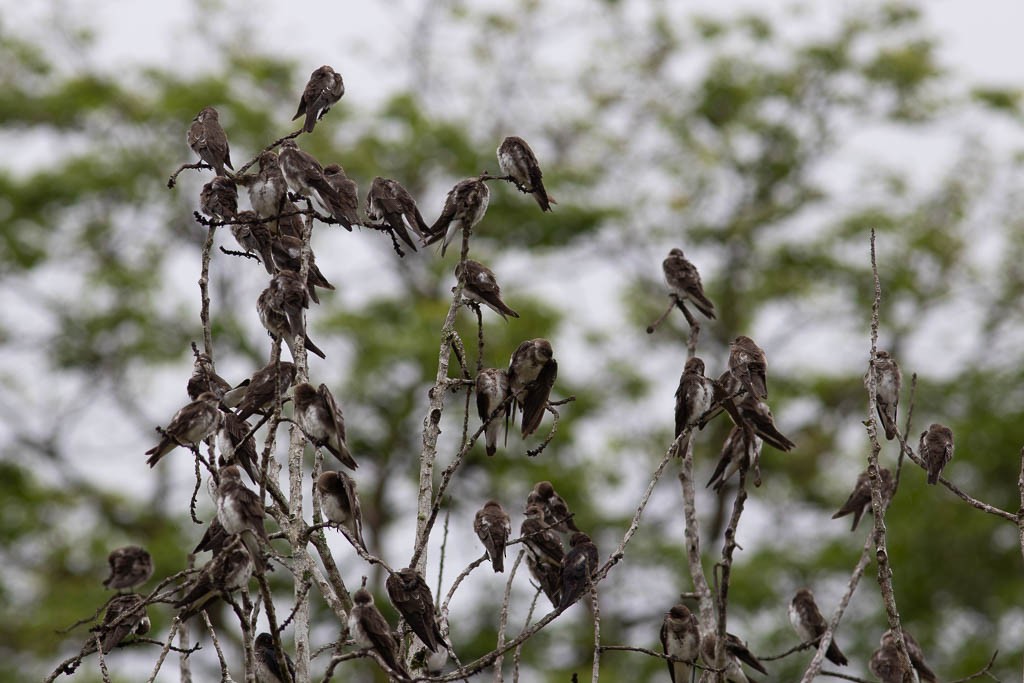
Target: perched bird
290,298
324,89
556,510
758,415
348,195
465,206
276,322
480,285
738,453
924,672
492,390
240,511
531,374
411,596
190,425
287,254
684,281
290,220
268,669
229,570
219,198
264,388
860,499
130,566
370,629
885,664
319,417
236,445
936,450
519,163
253,236
340,503
214,539
207,139
493,527
389,204
305,176
544,553
204,378
126,615
748,364
810,625
267,189
736,653
694,397
680,638
578,567
887,391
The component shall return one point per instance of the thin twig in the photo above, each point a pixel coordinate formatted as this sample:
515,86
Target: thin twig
519,649
596,668
225,673
503,616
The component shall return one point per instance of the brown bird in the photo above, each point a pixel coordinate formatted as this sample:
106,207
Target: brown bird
320,418
544,553
887,391
348,195
411,596
680,638
370,629
267,189
758,415
214,539
859,501
219,198
125,615
130,566
493,527
736,652
556,510
748,364
265,387
236,445
810,625
518,162
464,207
340,503
738,453
229,570
492,390
268,669
578,567
253,236
324,89
480,285
276,322
305,176
684,281
287,254
240,511
190,425
936,450
694,397
532,371
885,664
390,205
207,139
924,672
204,378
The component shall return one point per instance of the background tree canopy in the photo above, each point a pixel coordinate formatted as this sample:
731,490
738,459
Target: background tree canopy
762,144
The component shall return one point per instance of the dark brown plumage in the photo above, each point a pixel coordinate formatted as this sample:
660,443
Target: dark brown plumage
493,527
411,596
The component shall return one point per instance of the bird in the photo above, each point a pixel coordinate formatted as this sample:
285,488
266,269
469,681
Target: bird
518,162
680,638
348,195
214,539
190,425
492,391
480,285
736,654
207,139
464,207
268,669
267,189
493,527
323,90
532,371
290,220
204,378
277,323
694,398
320,418
240,511
860,498
130,566
556,510
887,391
305,176
370,629
578,567
748,364
758,415
229,570
265,387
290,298
411,596
924,672
738,452
390,205
125,615
885,664
237,445
286,251
219,198
936,450
544,553
340,503
810,625
684,281
253,235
